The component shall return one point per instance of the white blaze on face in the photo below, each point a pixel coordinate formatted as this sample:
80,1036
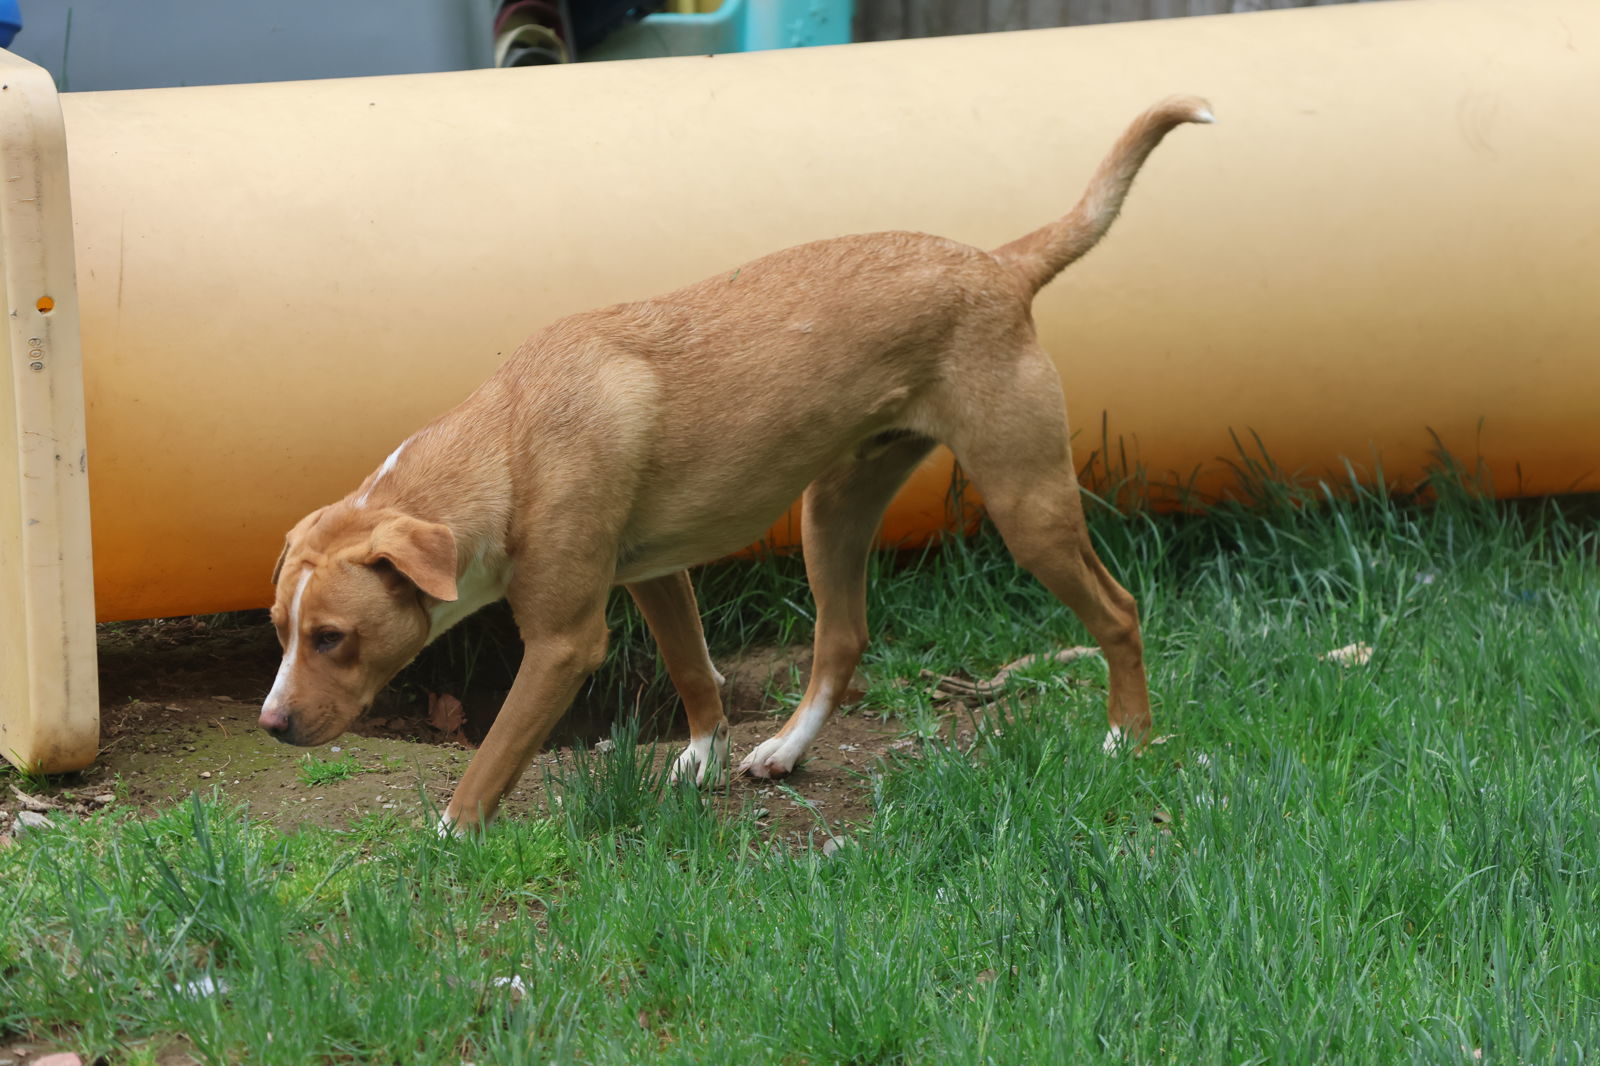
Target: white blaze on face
280,684
383,471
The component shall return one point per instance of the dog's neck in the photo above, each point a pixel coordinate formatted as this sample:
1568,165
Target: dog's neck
479,583
434,477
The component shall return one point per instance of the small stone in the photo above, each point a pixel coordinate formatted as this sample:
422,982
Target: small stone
188,747
604,747
205,775
833,844
27,820
202,986
105,798
64,1058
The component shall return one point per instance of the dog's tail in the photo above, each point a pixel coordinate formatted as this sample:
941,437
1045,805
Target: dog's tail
1046,252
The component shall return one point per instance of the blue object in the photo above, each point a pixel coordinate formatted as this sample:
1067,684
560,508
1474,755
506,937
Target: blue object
10,21
736,26
744,26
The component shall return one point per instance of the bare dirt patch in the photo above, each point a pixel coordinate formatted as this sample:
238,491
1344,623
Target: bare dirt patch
178,706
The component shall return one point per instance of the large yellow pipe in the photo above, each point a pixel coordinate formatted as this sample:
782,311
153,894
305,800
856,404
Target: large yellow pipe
1393,228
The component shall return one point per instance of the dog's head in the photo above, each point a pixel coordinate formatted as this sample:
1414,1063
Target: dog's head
354,588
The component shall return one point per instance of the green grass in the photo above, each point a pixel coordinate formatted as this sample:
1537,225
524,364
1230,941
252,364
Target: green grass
315,770
22,777
1394,862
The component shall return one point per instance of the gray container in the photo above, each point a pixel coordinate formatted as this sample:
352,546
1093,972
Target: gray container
118,44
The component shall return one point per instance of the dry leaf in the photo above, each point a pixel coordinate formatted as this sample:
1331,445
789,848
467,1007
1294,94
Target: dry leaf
519,988
445,712
34,803
1350,655
949,687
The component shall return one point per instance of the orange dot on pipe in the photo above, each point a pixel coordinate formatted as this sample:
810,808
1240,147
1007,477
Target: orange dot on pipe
45,305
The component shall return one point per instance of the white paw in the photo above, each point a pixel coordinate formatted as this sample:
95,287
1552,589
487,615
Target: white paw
704,761
774,757
447,827
1114,742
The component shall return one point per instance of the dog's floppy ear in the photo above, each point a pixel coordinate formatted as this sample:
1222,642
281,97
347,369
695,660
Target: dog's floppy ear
299,529
425,552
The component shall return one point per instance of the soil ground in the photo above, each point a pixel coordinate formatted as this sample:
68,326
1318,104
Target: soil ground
179,699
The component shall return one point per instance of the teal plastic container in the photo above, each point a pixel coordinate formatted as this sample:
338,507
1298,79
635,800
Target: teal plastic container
737,26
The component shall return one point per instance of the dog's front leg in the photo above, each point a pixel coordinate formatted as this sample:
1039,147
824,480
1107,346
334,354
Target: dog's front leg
555,662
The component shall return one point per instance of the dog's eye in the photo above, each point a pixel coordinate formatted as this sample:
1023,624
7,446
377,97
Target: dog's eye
328,639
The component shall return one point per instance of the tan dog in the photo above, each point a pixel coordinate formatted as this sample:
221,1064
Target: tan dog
623,445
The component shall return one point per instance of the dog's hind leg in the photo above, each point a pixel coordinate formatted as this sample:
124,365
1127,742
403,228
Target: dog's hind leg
1013,444
842,511
669,609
